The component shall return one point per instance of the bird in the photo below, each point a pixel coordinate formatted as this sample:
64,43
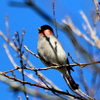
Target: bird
51,53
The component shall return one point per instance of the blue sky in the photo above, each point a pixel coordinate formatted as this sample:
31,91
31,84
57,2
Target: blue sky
26,18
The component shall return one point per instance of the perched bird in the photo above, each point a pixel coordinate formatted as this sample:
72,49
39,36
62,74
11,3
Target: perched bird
51,52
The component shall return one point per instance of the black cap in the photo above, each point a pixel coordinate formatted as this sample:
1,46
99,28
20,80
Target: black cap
44,27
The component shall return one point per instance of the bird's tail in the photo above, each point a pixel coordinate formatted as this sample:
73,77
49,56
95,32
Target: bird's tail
68,78
70,81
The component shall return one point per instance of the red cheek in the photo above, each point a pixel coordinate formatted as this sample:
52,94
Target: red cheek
46,32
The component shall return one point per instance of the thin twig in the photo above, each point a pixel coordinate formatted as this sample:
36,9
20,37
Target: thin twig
31,52
39,76
54,15
7,27
84,81
92,31
69,22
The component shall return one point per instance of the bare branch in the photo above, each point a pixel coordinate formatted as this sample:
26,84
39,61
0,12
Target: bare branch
17,87
76,30
40,86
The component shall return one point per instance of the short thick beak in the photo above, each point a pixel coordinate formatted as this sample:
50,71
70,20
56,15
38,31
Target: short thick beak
39,28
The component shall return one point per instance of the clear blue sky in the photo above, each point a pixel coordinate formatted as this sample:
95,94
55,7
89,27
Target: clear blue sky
26,18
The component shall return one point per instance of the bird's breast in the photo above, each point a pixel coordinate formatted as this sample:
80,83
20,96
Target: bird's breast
51,50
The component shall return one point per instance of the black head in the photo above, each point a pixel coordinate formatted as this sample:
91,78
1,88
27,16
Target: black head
44,27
